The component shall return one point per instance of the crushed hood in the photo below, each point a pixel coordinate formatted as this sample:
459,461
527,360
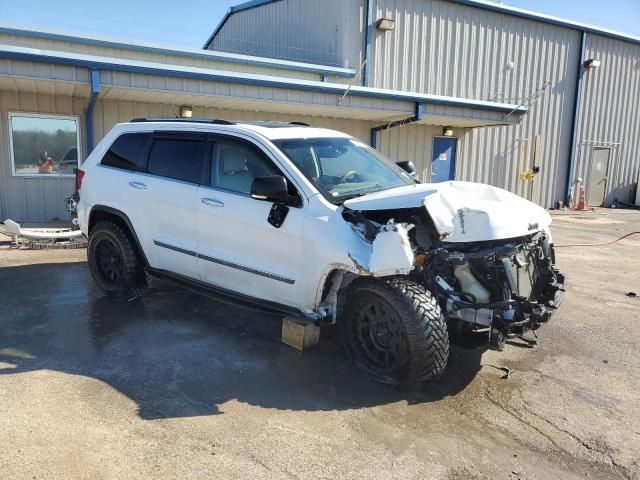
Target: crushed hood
463,211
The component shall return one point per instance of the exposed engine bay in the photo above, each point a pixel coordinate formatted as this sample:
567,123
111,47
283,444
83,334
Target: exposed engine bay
503,286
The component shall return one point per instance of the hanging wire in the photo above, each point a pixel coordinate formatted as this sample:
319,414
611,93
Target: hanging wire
357,78
531,100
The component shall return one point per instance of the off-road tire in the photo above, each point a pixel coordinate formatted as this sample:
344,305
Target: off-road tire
415,315
131,275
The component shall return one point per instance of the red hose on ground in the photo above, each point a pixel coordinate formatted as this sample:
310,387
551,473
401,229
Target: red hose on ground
597,244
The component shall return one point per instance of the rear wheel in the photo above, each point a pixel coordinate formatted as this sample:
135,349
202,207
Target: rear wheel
113,261
395,331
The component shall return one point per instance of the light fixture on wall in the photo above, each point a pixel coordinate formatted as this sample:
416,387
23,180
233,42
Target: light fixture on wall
592,63
385,24
186,111
447,131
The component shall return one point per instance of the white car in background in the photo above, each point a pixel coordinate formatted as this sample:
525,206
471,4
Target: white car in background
313,223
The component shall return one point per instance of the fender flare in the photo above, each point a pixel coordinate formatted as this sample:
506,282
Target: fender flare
122,216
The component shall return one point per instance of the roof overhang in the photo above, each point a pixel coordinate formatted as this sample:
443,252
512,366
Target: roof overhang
133,80
178,71
134,46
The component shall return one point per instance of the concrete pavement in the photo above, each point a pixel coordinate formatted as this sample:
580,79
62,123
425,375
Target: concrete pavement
175,385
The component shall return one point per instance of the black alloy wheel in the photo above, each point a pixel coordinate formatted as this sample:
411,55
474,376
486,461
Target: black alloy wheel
114,262
109,260
395,331
379,337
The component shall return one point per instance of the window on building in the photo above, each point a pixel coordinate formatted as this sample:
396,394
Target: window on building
178,159
127,152
44,145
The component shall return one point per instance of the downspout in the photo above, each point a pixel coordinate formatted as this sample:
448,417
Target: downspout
398,123
88,115
368,35
576,117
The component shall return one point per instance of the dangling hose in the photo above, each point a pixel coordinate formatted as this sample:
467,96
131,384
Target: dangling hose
597,244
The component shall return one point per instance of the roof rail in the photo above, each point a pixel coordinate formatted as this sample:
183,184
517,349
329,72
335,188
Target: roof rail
184,120
273,123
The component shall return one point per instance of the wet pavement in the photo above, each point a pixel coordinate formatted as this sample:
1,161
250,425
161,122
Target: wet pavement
176,385
174,352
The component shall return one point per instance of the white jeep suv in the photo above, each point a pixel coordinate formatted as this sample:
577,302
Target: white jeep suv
314,223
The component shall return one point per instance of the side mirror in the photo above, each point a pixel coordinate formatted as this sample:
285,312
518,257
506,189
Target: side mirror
408,167
273,189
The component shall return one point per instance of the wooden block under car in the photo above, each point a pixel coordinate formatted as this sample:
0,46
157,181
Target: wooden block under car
298,334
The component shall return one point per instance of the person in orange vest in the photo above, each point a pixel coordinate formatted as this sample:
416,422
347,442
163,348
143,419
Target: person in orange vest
46,163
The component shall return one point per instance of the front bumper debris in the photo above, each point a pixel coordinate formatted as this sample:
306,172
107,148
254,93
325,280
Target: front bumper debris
514,286
532,314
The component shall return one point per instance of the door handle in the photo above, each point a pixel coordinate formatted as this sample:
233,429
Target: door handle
212,202
138,185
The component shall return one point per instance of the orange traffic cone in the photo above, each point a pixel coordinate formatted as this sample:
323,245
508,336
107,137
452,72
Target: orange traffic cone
582,203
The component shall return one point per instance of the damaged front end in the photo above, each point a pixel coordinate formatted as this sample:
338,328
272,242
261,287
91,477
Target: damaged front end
508,287
502,286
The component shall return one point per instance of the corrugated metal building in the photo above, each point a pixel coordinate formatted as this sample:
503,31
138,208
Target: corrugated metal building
465,89
583,122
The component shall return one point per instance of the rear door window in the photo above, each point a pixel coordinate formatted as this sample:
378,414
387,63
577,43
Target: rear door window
128,152
177,158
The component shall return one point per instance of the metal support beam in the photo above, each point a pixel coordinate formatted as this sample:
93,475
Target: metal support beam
88,114
419,115
368,38
575,121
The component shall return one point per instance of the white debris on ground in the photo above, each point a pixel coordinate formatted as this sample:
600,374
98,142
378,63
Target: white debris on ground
63,237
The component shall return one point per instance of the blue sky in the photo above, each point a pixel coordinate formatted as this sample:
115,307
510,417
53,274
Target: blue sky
188,23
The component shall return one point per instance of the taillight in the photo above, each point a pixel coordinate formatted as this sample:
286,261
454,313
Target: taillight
79,177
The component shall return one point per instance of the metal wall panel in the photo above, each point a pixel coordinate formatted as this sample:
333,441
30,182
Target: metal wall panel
141,81
446,48
19,70
187,61
415,143
107,113
329,32
33,199
610,115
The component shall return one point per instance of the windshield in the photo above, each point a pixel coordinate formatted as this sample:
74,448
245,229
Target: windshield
343,168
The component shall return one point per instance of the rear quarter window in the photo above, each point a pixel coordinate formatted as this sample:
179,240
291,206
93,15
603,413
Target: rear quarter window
128,152
180,159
